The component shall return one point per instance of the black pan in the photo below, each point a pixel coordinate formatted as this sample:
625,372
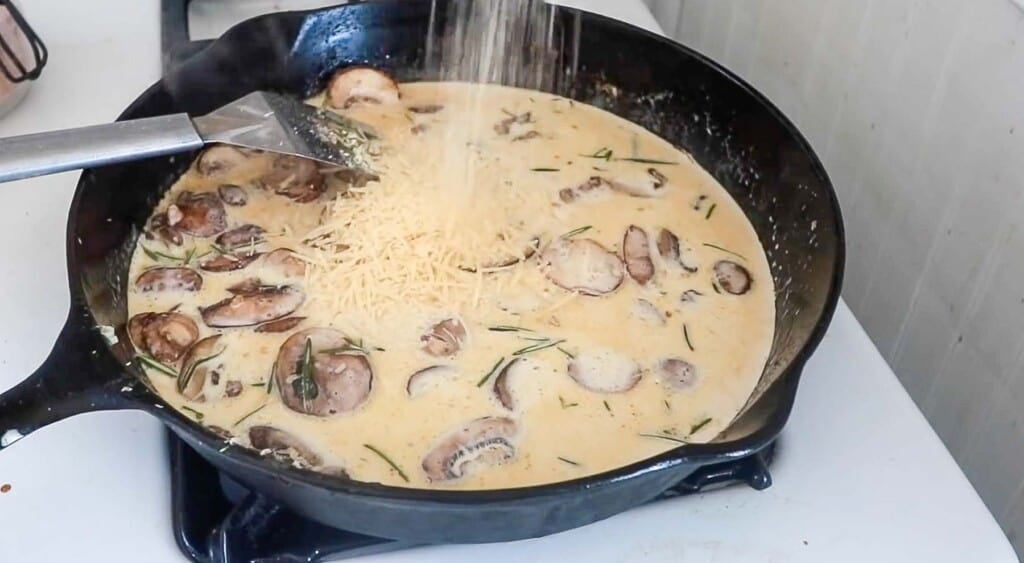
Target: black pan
733,131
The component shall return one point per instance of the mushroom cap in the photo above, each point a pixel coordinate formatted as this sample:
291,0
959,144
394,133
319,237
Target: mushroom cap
202,214
678,374
343,381
245,235
479,443
604,370
444,338
582,265
165,336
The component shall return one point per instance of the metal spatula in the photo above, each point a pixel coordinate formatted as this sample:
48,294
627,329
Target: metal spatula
260,120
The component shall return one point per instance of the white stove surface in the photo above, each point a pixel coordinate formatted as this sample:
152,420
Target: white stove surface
859,475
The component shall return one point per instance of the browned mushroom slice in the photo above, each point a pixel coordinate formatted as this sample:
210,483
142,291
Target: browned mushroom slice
202,214
281,442
268,304
503,383
677,374
732,277
647,312
330,381
587,190
444,338
280,325
295,178
636,252
246,235
248,286
529,250
427,378
582,265
286,262
355,85
233,195
228,262
668,248
604,371
165,336
479,444
219,160
426,108
198,364
651,184
169,279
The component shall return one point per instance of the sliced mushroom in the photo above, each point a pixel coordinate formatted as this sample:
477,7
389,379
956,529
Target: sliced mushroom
426,108
169,279
197,365
355,85
286,262
668,248
219,160
202,214
295,178
481,443
268,304
427,378
165,336
636,252
590,189
503,383
160,225
232,195
582,265
444,338
229,262
233,388
246,235
248,286
341,381
281,442
280,325
529,250
647,312
678,374
604,370
650,184
732,277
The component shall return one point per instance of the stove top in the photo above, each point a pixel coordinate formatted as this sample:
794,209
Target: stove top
217,520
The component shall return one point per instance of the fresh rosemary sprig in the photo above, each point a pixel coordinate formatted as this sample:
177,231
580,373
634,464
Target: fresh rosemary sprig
663,437
388,461
490,373
156,364
726,250
686,335
244,418
569,461
537,347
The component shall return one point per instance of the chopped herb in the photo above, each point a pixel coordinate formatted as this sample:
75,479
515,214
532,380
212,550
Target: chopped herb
686,335
152,255
157,256
537,347
254,411
189,255
726,250
186,376
535,338
569,461
260,384
699,202
668,405
566,405
714,286
604,153
218,249
389,462
607,407
545,169
663,437
305,386
270,380
157,365
697,427
578,231
195,413
566,352
507,328
350,346
490,373
649,161
711,210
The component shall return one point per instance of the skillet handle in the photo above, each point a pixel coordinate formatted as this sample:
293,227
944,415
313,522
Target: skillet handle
51,152
71,380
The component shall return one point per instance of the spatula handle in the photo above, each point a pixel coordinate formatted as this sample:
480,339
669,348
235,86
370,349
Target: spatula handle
38,154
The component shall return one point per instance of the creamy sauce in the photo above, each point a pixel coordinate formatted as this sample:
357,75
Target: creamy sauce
463,158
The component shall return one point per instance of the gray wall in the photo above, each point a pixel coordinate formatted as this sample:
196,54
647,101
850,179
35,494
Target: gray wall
917,108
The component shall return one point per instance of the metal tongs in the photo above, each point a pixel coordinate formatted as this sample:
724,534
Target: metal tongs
260,120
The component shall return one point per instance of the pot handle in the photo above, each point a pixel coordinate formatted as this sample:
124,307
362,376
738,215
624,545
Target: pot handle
75,378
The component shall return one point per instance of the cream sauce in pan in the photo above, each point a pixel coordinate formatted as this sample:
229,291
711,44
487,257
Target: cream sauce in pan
538,291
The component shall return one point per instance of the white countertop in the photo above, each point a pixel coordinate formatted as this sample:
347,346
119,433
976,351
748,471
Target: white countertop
859,476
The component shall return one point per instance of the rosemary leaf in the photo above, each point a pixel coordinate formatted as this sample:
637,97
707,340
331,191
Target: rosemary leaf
567,353
537,347
649,161
566,405
389,462
575,232
604,153
188,256
195,413
507,328
305,386
490,373
668,405
254,411
711,210
607,407
545,169
686,335
157,365
270,380
152,255
186,376
663,437
726,250
260,384
569,461
700,425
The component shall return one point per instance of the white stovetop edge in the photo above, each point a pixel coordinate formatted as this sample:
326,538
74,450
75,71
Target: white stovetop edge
859,476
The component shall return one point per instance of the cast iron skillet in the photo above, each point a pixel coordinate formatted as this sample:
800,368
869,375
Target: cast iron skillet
730,129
